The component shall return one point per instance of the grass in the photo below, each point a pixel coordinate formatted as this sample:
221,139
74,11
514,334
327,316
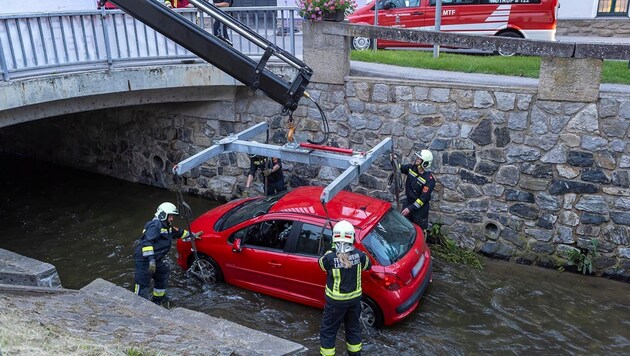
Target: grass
20,335
614,72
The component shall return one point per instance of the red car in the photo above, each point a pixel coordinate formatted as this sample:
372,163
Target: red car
271,245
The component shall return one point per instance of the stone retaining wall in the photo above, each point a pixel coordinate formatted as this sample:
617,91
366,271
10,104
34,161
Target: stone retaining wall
519,178
602,27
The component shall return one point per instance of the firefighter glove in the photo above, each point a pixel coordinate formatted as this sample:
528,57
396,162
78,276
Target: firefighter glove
198,234
267,172
152,266
245,193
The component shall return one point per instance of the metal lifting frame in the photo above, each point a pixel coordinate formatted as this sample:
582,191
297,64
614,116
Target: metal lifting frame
354,165
225,57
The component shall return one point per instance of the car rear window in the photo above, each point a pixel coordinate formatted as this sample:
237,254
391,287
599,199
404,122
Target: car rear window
247,211
391,239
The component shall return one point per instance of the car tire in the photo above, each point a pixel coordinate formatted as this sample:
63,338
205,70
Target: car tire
205,269
510,34
371,315
361,43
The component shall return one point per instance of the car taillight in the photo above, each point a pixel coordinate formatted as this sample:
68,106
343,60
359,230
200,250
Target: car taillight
387,280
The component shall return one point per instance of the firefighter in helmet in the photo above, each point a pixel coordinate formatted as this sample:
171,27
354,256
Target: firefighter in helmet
152,248
418,188
343,266
271,169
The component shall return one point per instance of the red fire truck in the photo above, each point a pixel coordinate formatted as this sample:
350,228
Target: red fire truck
530,19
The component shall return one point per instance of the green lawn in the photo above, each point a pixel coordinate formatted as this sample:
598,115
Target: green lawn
614,71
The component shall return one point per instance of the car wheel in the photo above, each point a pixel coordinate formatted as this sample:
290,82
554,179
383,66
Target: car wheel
205,269
510,34
361,43
371,315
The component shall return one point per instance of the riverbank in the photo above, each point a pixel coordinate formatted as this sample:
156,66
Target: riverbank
104,319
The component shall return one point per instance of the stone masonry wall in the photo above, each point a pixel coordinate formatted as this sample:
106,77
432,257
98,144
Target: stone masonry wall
603,27
518,178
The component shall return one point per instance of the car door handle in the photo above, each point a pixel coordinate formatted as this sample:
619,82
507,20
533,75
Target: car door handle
274,264
417,13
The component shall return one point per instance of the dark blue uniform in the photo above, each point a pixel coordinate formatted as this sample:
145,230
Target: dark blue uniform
343,301
275,180
418,189
154,244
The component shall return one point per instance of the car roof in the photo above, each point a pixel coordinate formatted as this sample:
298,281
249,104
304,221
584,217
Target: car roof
358,209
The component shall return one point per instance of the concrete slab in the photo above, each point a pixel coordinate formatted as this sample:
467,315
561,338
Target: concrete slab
20,270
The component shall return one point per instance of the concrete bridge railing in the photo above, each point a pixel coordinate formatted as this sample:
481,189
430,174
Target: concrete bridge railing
569,71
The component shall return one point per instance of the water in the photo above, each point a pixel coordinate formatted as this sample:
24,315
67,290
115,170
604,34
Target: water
86,224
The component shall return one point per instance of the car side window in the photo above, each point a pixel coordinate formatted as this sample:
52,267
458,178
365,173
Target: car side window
312,241
269,234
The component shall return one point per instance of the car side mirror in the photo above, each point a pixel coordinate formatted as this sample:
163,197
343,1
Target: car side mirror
236,246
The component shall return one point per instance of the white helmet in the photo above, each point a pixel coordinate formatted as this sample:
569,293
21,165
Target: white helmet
426,156
343,236
165,209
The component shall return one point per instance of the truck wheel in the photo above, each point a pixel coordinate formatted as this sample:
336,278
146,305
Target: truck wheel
361,43
510,34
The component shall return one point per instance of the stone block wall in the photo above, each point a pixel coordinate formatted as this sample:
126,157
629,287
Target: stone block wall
602,27
519,178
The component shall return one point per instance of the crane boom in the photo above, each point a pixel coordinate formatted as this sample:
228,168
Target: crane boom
215,51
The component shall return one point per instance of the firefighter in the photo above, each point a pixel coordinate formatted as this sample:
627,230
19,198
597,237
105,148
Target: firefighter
151,250
271,169
418,188
343,266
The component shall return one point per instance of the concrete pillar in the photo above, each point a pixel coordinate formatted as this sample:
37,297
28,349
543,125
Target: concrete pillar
570,79
327,55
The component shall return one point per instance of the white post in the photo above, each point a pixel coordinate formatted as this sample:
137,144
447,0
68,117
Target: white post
438,24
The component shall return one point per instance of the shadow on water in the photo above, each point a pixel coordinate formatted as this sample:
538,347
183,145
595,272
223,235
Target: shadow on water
86,225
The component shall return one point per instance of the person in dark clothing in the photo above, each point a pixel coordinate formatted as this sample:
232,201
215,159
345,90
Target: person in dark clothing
418,188
219,29
272,171
343,267
151,250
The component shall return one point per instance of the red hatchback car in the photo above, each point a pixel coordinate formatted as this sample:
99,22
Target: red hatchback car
271,245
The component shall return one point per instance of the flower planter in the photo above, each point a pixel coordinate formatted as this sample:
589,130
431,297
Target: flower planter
336,16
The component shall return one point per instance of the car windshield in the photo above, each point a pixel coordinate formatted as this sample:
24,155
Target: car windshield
390,240
247,211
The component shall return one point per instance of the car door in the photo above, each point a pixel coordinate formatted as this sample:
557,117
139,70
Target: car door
260,264
305,279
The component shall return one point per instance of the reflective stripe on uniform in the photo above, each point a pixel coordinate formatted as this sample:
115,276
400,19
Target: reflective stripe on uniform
418,203
136,289
147,251
164,231
418,177
327,352
159,292
336,294
185,234
367,261
359,278
354,348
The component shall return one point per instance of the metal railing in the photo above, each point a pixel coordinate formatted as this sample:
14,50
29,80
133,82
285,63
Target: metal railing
53,43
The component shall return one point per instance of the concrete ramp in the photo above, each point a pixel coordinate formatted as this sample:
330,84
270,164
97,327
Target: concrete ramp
106,313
